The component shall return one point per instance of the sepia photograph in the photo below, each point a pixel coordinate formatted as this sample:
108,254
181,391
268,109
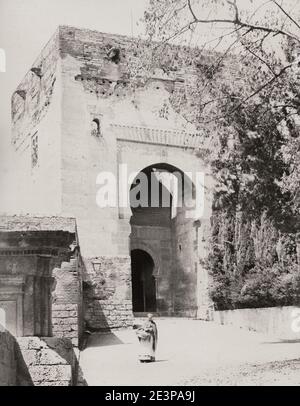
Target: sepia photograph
149,195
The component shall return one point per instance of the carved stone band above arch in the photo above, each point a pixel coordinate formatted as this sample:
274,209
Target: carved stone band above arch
166,137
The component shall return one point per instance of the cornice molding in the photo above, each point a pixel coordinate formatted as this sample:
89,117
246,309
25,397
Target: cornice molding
148,135
25,252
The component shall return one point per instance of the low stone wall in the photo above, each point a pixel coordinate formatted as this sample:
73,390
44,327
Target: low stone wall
50,361
8,363
282,322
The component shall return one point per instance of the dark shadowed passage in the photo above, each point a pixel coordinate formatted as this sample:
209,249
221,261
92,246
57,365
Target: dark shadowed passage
143,282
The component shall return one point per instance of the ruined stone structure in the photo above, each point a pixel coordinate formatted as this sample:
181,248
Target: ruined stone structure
40,285
35,361
40,297
75,116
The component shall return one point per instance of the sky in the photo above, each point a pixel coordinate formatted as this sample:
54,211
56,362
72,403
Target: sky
27,25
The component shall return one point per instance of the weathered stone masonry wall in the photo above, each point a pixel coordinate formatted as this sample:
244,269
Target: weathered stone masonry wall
31,100
67,301
51,361
28,361
97,87
107,293
185,262
66,322
36,136
40,278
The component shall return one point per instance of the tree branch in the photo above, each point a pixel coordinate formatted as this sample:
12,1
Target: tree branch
256,92
286,13
236,10
240,23
259,58
191,10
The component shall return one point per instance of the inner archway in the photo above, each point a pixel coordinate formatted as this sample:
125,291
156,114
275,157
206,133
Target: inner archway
143,282
162,201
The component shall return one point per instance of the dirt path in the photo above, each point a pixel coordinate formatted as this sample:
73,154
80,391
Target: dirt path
192,352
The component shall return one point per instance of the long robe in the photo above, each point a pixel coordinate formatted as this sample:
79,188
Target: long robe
147,335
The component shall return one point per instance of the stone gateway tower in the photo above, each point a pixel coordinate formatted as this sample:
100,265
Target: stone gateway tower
84,136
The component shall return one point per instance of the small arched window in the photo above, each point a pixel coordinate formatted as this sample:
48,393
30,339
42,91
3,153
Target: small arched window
96,127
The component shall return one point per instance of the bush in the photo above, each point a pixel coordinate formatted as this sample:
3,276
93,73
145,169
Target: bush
262,287
220,293
252,263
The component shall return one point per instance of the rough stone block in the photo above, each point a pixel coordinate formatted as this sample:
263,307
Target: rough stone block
44,373
31,357
60,314
53,383
31,343
50,357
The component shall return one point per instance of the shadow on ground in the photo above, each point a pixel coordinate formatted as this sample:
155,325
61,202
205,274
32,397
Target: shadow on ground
103,339
283,341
